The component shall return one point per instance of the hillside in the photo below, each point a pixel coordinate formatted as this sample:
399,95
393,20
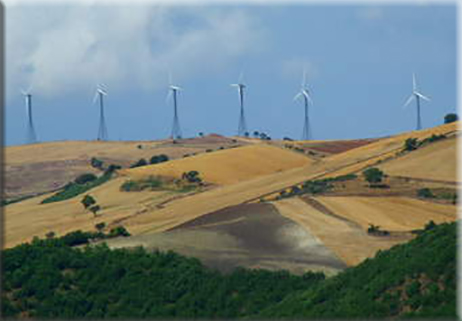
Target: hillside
158,211
49,278
39,168
414,279
229,166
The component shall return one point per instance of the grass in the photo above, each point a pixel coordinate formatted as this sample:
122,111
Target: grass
73,189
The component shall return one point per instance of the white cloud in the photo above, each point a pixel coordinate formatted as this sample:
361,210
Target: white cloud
60,50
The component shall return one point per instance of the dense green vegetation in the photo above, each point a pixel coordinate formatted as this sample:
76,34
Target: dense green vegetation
411,144
50,278
150,183
73,189
415,279
373,175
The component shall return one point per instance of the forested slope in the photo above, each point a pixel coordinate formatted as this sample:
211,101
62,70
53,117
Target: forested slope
49,278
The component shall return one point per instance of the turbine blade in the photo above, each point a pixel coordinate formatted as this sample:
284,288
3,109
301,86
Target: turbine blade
95,98
241,77
170,81
304,77
422,96
309,97
414,83
167,98
408,101
297,96
234,85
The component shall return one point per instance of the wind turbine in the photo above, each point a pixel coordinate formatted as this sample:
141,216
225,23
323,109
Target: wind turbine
417,96
242,127
305,93
99,94
31,136
173,91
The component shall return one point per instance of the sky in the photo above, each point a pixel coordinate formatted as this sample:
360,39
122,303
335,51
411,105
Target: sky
359,61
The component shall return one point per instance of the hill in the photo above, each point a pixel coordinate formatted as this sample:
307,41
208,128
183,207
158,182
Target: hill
414,279
48,278
229,166
43,167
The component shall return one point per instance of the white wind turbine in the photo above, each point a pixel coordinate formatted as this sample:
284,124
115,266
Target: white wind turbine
417,96
306,95
101,91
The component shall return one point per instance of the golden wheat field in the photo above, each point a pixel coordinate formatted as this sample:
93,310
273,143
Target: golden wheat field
229,166
390,213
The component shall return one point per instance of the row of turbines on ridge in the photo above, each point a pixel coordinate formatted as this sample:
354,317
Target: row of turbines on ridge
304,94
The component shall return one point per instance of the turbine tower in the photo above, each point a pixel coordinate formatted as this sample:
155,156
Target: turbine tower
242,127
417,96
305,93
173,91
31,137
99,95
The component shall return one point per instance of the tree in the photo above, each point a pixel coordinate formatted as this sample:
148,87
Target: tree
88,201
373,175
201,134
192,177
100,226
96,163
50,235
94,209
256,134
425,193
411,144
450,118
141,162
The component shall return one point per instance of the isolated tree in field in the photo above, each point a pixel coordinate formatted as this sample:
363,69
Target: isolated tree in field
100,226
88,201
373,175
450,118
95,209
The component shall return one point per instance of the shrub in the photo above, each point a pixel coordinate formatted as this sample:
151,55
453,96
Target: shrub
88,201
112,168
450,118
50,235
373,175
191,177
158,159
100,226
139,163
430,226
118,231
425,193
136,186
85,178
95,209
96,163
411,144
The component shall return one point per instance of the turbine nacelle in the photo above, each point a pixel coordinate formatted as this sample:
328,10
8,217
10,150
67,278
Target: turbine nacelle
415,93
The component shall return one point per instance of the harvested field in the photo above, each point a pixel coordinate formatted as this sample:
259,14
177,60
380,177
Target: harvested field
332,147
37,168
29,218
252,236
349,242
390,213
436,161
229,166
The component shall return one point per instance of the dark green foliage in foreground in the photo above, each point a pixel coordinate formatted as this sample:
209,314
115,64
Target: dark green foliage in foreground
49,279
450,118
73,189
416,279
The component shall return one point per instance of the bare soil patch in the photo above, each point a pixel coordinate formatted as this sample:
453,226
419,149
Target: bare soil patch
252,235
